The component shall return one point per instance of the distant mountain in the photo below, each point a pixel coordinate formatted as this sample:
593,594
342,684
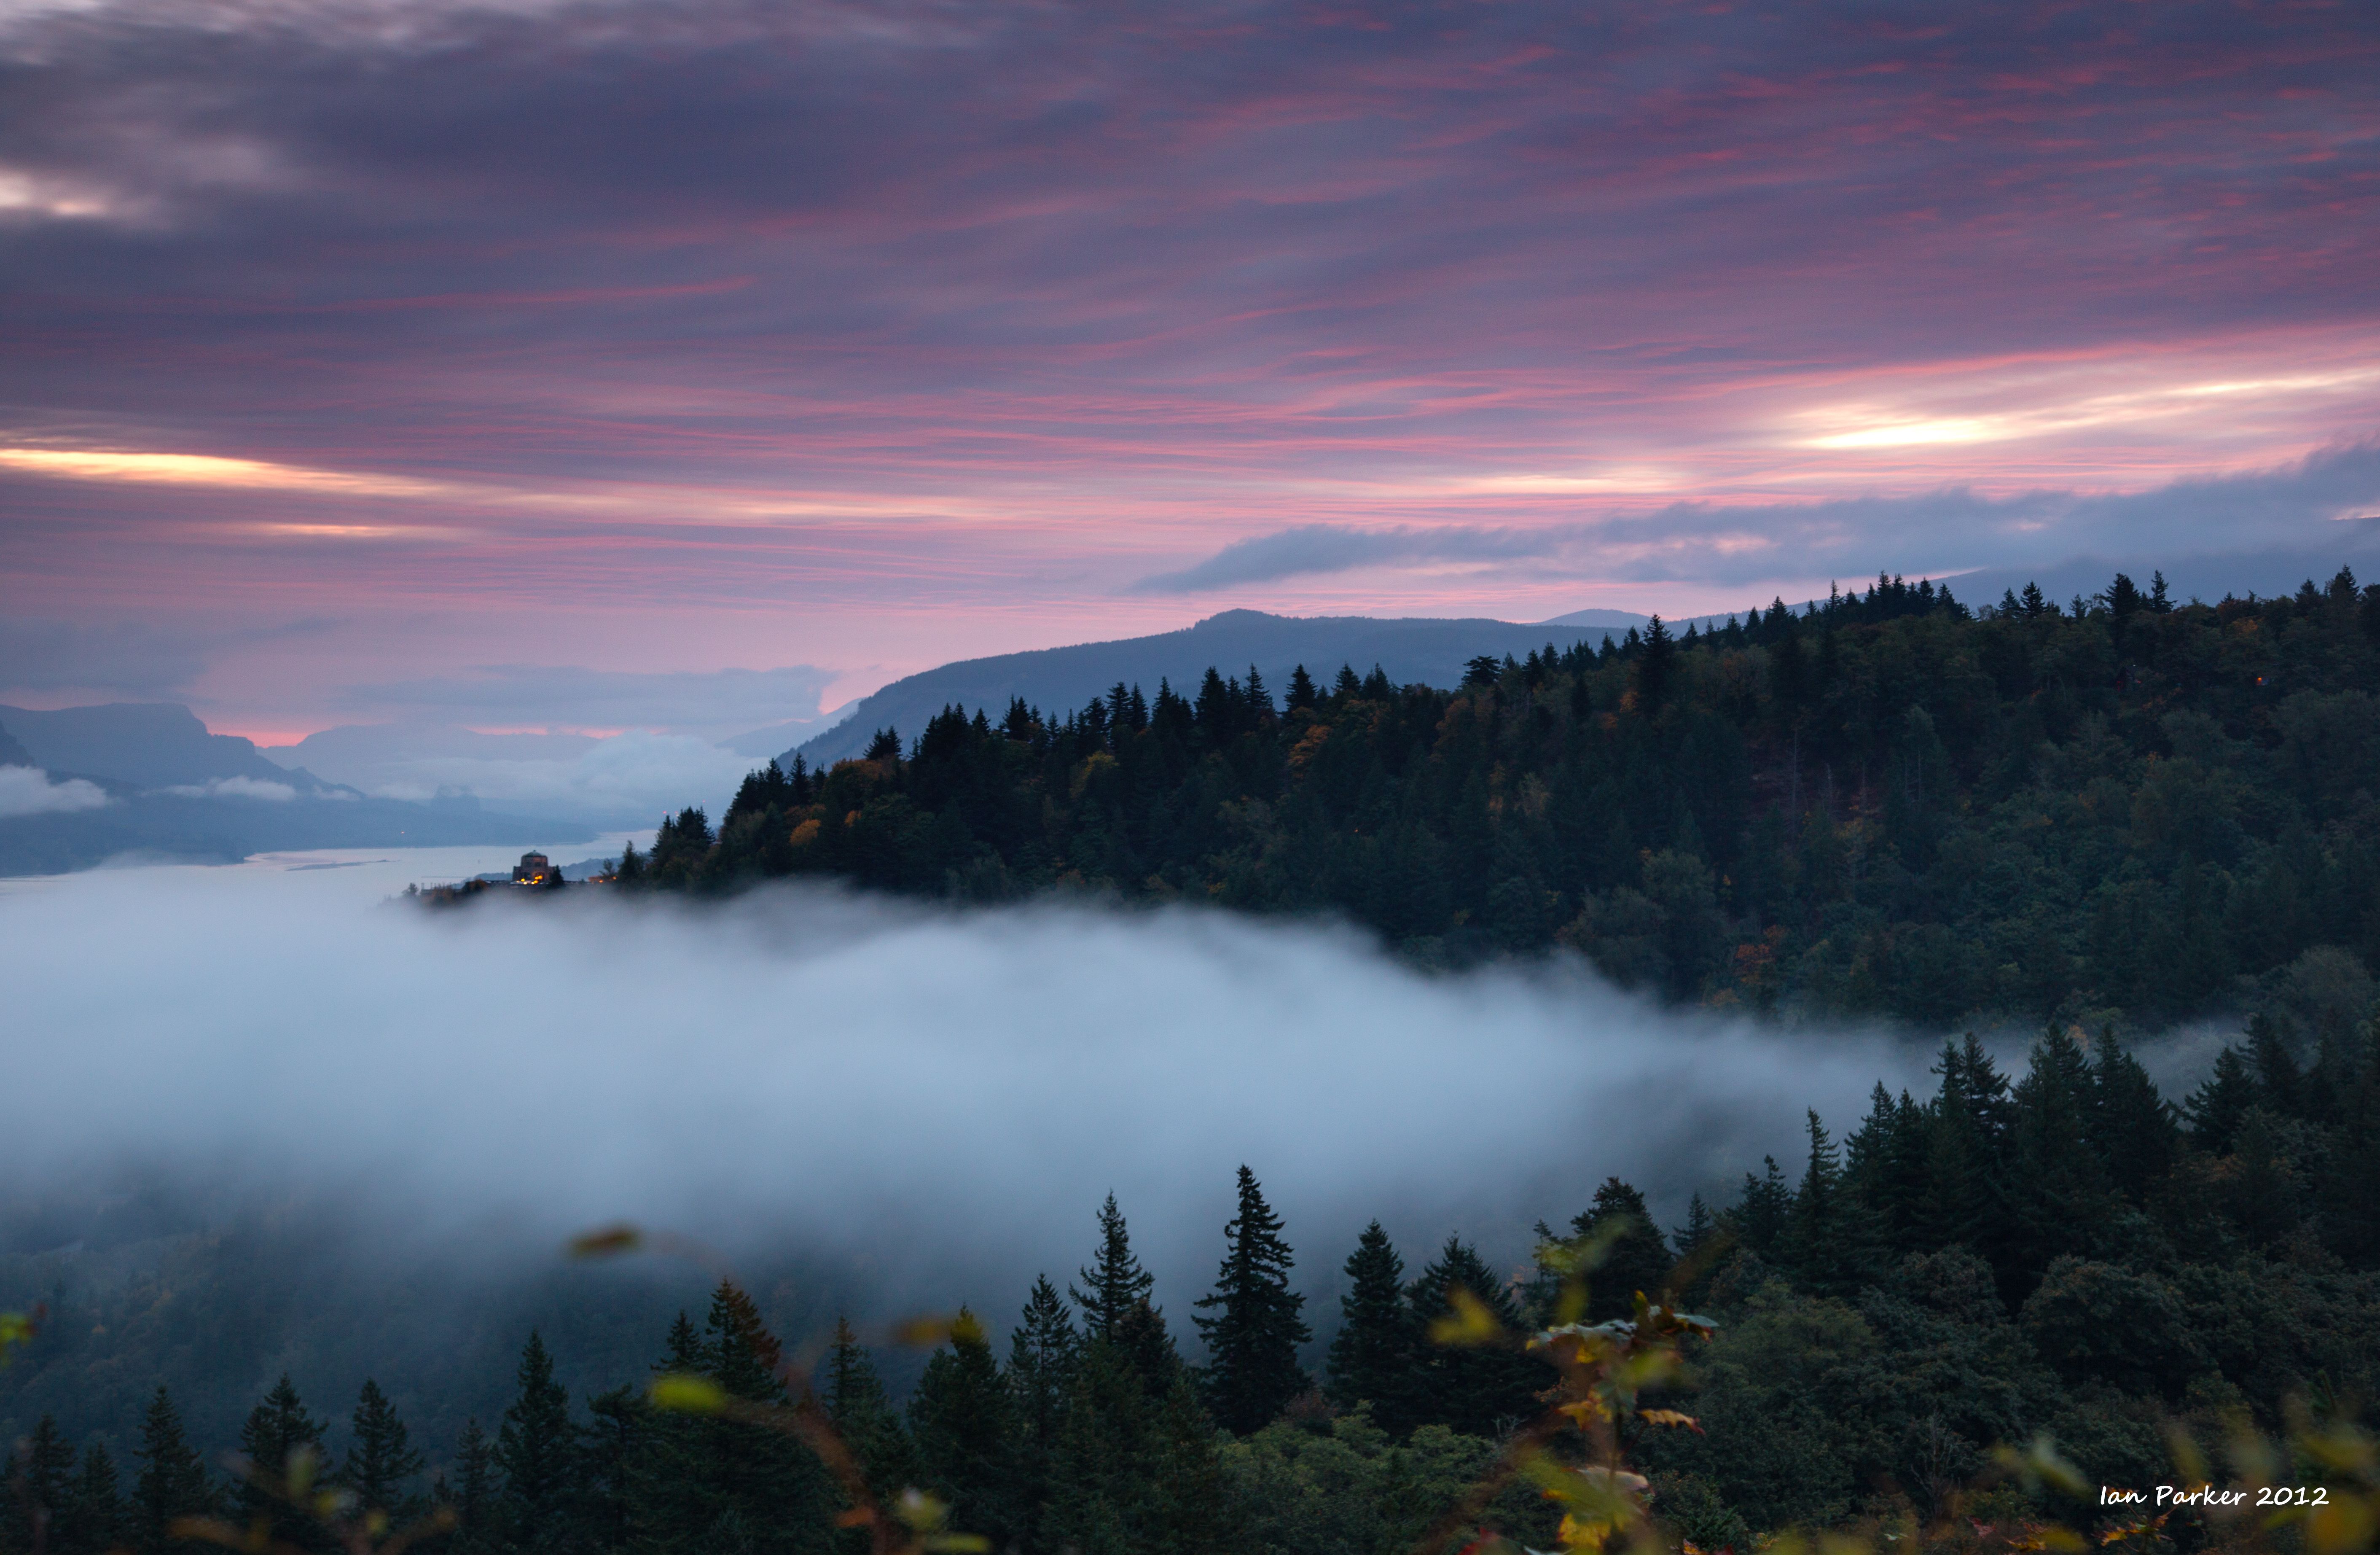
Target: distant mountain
1618,620
173,789
1059,680
147,745
361,754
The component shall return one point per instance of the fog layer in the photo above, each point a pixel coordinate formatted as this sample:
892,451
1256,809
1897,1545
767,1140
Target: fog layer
945,1096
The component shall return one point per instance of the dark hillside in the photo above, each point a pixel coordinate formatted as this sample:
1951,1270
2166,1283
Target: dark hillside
2118,807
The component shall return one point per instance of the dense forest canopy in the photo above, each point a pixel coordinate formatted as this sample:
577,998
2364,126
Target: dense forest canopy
2062,1251
2120,808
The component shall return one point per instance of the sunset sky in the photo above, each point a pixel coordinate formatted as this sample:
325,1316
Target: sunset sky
363,360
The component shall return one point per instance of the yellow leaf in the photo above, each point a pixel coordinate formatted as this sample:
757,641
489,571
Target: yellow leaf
1469,1322
688,1395
2341,1528
1669,1418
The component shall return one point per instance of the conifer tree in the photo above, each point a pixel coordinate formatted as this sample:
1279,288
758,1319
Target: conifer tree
1820,1242
1141,1338
172,1482
380,1457
1135,1470
960,1417
1042,1354
1100,1463
2278,1082
1637,1259
1185,1498
611,1454
92,1522
281,1445
1697,1232
1478,1390
718,1481
537,1451
1758,1218
472,1495
2061,1196
855,1400
1252,1370
1116,1281
1654,667
1372,1356
43,1481
2220,1105
2131,1127
1966,1156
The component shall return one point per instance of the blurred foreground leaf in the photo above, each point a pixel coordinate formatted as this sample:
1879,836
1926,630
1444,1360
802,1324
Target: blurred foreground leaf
687,1395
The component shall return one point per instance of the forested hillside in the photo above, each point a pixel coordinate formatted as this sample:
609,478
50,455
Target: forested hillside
2117,808
2064,1252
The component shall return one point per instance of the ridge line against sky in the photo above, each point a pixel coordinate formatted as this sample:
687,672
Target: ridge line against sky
353,346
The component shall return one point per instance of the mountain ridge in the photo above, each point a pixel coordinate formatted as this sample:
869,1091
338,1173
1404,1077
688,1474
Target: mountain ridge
1409,648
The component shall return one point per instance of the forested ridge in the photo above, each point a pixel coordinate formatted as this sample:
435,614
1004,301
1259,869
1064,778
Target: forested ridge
2060,1252
2119,808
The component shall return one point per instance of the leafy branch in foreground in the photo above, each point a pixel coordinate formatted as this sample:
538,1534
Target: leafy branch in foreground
916,1522
297,1490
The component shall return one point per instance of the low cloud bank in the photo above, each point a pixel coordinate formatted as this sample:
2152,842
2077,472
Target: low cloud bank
629,779
29,791
941,1098
234,789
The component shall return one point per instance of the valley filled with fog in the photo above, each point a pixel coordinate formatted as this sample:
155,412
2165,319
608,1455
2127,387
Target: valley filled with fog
935,1088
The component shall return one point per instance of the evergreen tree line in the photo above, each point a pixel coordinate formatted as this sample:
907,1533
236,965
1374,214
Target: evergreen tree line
2062,1251
2122,808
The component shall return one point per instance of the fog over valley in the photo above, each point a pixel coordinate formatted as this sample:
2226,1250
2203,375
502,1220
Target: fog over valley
916,1085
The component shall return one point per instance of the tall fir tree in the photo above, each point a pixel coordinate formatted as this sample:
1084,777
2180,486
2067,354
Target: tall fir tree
1372,1355
1479,1390
281,1447
1823,1244
2132,1127
471,1495
1115,1281
1252,1370
381,1460
1758,1218
1699,1231
92,1523
2061,1196
173,1483
536,1452
960,1417
1043,1352
1136,1471
42,1480
611,1450
1635,1259
855,1400
716,1481
2221,1103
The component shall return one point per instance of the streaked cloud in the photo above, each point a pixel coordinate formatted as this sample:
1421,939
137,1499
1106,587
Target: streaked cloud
2300,506
208,469
923,331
